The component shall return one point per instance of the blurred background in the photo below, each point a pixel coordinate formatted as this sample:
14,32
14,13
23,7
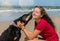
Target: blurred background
12,9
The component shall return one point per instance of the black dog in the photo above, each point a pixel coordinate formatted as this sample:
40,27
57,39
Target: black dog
13,33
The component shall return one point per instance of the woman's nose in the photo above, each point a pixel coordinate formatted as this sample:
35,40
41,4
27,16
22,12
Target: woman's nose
33,12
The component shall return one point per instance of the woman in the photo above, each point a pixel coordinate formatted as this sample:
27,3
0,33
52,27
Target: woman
43,26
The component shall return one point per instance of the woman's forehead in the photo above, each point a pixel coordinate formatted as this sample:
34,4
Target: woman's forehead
37,9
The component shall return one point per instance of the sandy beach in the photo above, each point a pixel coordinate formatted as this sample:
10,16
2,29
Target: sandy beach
30,26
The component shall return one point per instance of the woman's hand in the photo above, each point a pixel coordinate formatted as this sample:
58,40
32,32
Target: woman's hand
25,39
35,39
20,24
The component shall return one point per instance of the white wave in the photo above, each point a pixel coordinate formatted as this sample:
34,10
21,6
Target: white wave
5,10
26,10
9,10
4,14
52,9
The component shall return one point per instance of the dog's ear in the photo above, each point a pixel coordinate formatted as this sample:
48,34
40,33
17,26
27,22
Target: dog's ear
28,17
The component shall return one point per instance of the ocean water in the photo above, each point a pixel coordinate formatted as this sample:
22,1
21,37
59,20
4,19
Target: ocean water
10,15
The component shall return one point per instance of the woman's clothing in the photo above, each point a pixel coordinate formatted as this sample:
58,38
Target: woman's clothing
47,31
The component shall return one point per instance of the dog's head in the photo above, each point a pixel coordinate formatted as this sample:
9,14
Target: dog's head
24,18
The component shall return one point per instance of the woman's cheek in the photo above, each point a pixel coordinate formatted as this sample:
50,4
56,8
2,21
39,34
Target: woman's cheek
33,15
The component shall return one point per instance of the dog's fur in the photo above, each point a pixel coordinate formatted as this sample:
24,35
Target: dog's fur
13,33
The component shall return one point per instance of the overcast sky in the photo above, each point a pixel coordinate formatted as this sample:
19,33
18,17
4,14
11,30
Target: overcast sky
30,2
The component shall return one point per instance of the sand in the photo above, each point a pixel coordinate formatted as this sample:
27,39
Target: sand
30,26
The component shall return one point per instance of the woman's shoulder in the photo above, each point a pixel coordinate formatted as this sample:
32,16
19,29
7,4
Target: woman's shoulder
43,21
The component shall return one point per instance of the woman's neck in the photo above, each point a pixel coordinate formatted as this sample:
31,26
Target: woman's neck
37,20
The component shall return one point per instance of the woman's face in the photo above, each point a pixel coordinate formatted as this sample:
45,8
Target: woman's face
36,13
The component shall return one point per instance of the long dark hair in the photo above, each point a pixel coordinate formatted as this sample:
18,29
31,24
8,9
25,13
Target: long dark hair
45,15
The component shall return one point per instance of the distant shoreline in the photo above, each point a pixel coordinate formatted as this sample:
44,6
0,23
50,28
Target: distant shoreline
30,7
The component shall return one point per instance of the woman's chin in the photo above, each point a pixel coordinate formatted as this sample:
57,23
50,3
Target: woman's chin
34,17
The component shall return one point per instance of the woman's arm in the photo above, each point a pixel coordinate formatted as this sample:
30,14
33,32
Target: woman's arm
31,35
